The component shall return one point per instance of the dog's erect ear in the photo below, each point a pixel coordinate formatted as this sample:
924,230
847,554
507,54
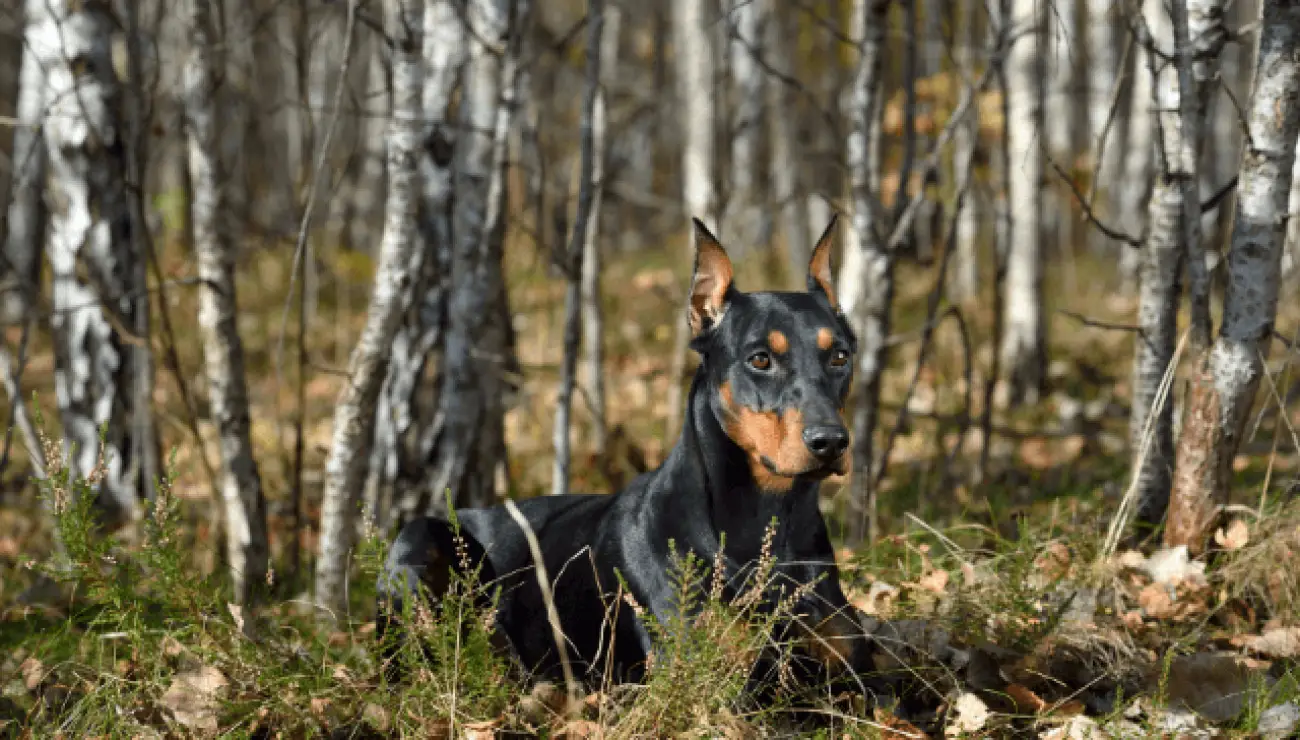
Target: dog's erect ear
711,281
819,267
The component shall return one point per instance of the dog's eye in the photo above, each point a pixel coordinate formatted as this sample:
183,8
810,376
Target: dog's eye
839,358
760,361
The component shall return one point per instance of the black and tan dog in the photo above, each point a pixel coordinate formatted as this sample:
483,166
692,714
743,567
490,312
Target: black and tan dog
763,427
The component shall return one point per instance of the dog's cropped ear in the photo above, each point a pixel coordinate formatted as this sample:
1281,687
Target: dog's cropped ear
819,267
711,281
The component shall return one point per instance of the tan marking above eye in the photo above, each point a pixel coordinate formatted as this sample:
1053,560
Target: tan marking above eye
825,338
778,342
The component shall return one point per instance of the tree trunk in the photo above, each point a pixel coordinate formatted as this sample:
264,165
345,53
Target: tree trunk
866,281
573,256
20,261
1174,215
1062,24
593,326
479,365
1023,339
742,219
964,283
223,352
695,100
1228,374
787,196
1159,286
91,225
407,432
354,416
1140,148
1103,42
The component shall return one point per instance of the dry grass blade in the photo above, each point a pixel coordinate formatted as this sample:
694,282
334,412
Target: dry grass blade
552,616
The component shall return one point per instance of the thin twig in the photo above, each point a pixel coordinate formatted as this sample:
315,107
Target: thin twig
1088,213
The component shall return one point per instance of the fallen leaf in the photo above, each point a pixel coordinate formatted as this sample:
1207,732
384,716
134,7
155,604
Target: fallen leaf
968,715
1172,565
935,581
579,729
1054,563
33,672
878,600
893,728
1156,602
1234,537
1075,728
192,698
1026,701
319,705
1279,643
485,730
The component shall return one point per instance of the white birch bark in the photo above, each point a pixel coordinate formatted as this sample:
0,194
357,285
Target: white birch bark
593,326
354,416
1103,47
866,281
367,192
1223,388
1023,333
1159,286
25,220
223,352
1175,233
964,283
405,434
694,62
1062,116
90,226
577,250
1139,153
478,360
742,225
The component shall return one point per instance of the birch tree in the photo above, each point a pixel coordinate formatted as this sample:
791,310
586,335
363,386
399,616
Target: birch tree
1229,372
964,283
573,256
1062,24
1023,333
406,433
1175,233
1139,151
223,352
1103,75
95,307
695,100
866,281
742,220
25,221
479,364
354,417
593,322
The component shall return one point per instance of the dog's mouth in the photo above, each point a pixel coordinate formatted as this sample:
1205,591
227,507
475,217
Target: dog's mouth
838,466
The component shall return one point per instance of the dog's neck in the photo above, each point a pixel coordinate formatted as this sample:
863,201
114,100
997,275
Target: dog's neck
711,482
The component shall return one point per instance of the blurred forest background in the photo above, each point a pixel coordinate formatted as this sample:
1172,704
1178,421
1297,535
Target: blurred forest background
1062,258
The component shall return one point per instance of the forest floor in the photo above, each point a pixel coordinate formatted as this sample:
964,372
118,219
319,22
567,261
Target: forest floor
1014,611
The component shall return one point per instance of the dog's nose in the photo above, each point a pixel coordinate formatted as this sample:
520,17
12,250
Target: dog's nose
826,442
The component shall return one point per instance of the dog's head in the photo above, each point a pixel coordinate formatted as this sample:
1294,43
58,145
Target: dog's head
779,364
